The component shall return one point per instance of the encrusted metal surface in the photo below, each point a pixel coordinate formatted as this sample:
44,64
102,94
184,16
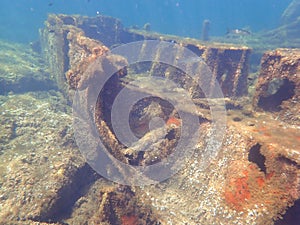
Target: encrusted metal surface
255,176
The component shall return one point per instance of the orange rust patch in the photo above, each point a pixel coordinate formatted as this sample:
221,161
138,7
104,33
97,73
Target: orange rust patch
246,172
260,181
129,220
270,175
242,187
237,192
174,121
267,134
262,130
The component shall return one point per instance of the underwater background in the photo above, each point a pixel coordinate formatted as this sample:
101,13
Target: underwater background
21,19
253,50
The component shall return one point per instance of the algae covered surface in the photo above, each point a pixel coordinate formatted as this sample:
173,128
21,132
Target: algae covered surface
37,151
22,69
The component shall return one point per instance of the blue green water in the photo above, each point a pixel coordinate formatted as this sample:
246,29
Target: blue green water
21,19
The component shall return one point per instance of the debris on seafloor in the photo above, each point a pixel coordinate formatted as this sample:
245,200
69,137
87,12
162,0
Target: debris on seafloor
253,179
